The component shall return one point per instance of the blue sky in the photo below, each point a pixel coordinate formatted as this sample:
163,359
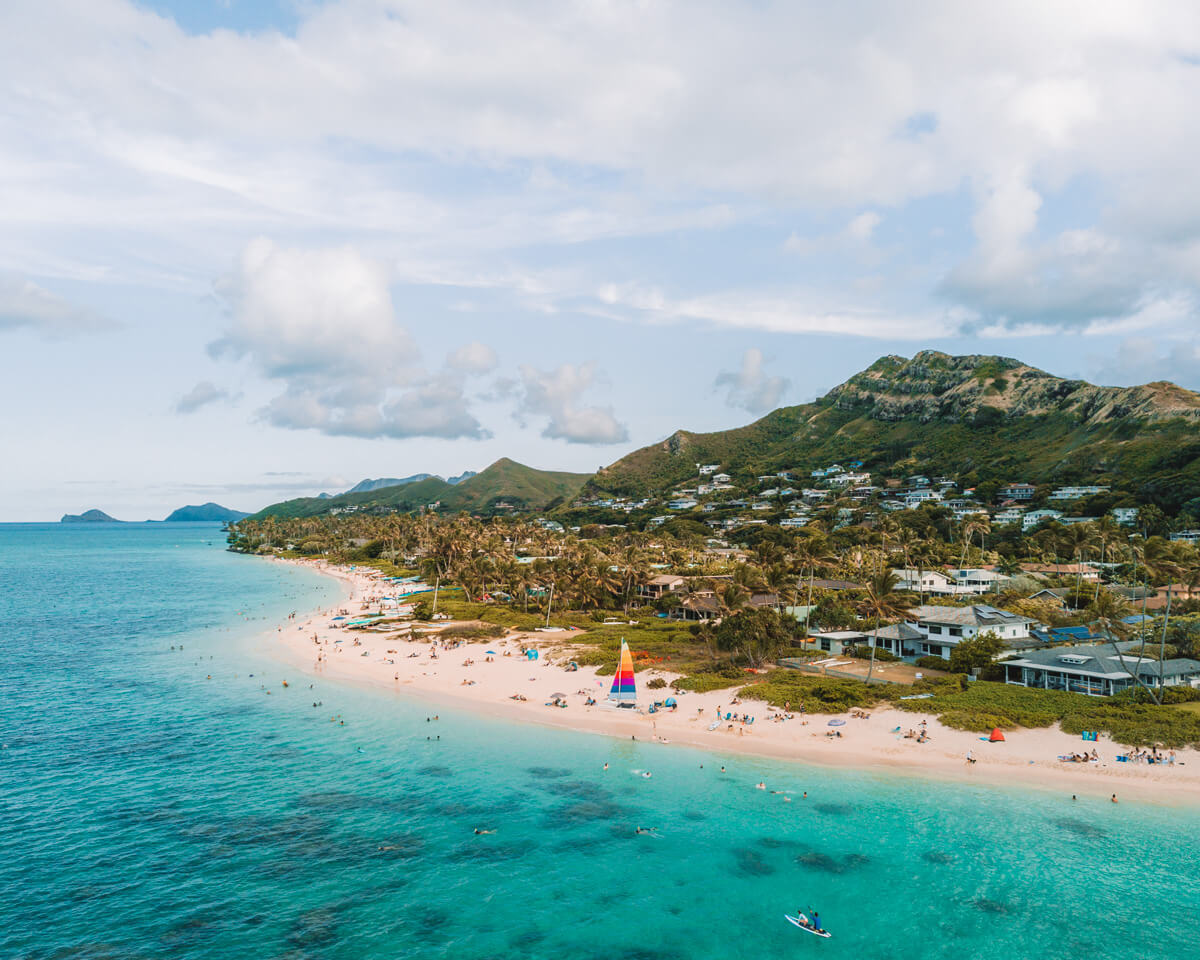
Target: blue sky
254,250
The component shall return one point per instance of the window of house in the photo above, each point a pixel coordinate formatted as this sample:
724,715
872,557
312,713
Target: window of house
935,629
956,631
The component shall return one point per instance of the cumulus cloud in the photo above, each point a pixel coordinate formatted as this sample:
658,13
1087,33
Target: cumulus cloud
25,305
201,395
474,357
321,323
623,119
750,387
556,394
1142,360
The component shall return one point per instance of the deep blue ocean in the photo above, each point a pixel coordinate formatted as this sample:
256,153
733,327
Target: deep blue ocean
149,811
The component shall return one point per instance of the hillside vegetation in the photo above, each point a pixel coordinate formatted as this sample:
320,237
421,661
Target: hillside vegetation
977,418
505,486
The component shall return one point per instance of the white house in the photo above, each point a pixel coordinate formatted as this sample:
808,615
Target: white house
980,581
945,627
1008,515
1186,536
925,581
705,469
685,503
1076,493
1035,518
721,478
842,479
1125,516
801,521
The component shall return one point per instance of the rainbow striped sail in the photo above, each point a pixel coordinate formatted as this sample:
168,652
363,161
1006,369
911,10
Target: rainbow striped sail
623,688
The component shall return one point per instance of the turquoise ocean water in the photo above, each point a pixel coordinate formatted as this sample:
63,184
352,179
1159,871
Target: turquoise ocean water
150,812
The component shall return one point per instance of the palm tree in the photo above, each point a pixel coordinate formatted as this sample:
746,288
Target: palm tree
881,601
1109,612
974,524
813,553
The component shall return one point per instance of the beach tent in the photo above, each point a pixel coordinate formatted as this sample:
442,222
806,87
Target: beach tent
531,654
670,702
997,735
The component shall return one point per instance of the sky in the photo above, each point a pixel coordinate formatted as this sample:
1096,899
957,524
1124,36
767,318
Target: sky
256,250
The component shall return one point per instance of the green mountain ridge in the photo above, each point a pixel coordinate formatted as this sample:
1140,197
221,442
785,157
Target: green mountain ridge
506,486
205,512
89,516
978,418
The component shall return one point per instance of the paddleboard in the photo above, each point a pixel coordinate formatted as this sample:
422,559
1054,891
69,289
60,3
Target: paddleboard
795,922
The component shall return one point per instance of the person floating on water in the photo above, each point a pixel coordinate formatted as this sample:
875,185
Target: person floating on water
481,832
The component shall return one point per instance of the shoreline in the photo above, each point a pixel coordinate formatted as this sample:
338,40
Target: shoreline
486,686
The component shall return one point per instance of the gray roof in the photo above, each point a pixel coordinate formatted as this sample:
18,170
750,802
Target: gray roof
900,631
977,615
1102,661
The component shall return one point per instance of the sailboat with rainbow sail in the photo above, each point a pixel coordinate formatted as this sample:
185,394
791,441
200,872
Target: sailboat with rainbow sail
624,691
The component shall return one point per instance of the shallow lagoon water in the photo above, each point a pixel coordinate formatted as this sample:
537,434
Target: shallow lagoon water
152,812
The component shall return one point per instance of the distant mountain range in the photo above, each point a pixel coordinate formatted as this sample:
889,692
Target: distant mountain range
205,512
504,487
981,419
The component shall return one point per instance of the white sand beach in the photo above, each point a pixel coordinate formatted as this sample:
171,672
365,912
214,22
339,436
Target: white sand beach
468,678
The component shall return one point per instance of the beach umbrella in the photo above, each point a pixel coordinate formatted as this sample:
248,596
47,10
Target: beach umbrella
840,723
670,702
492,653
997,735
558,696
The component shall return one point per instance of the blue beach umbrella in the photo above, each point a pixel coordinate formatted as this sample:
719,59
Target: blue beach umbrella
837,723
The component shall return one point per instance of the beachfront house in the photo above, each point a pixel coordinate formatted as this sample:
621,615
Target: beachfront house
1097,670
936,630
660,586
1125,516
1185,536
839,642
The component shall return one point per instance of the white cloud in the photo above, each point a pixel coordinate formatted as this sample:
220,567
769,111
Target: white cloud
25,305
321,323
750,388
602,120
556,394
1142,360
862,227
201,395
792,311
474,358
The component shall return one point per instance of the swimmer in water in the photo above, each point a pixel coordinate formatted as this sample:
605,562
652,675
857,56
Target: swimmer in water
760,786
606,766
482,832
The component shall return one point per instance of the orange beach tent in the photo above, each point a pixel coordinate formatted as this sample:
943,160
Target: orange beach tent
997,735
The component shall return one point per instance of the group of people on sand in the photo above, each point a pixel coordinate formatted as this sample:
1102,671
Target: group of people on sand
1150,756
1084,757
